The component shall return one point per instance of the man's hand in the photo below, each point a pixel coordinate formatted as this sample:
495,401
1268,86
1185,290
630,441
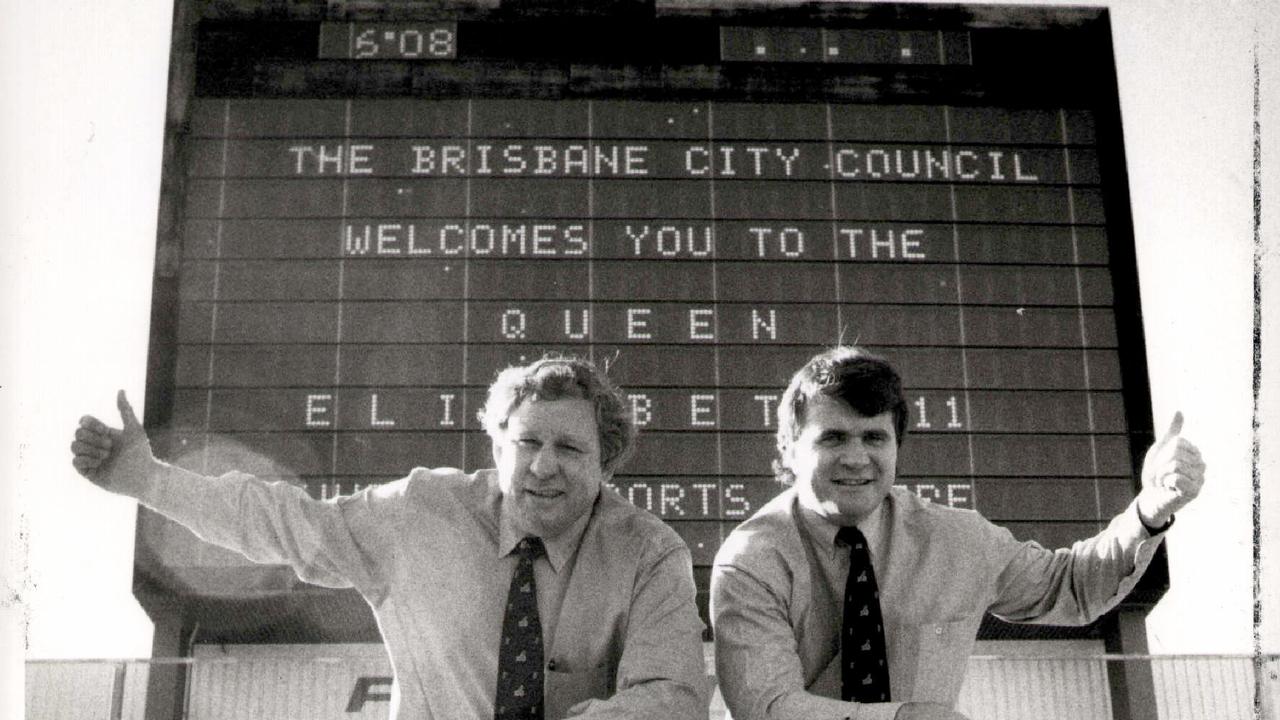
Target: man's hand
927,711
118,460
1172,475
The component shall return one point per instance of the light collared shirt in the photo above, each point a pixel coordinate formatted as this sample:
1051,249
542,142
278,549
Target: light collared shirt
431,554
550,569
778,583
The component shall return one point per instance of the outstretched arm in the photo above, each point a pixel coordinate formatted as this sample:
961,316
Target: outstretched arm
1076,585
338,544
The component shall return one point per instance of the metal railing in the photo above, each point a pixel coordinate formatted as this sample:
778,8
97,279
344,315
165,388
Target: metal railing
1176,687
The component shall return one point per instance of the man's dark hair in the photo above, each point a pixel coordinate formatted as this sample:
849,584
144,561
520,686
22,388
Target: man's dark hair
866,383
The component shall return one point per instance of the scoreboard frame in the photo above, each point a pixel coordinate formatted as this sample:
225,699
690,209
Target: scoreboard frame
242,49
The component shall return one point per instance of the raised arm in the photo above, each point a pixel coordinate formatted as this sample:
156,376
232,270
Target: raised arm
1076,585
336,544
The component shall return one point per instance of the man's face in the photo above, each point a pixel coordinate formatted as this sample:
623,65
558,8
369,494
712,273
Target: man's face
844,463
548,460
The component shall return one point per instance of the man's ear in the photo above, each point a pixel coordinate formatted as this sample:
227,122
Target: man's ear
786,455
495,444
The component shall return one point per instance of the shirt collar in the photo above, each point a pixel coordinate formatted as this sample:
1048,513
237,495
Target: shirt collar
559,549
822,532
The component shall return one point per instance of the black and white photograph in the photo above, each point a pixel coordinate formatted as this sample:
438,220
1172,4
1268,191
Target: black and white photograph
667,359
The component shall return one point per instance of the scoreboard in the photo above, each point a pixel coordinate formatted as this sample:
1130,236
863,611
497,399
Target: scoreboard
370,208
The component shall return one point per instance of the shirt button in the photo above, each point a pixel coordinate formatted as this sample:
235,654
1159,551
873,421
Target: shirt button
937,630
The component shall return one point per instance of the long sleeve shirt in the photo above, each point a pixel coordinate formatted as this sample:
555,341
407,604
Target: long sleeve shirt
778,583
432,555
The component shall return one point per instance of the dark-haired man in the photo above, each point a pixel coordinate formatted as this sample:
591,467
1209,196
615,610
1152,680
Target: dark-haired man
845,597
529,591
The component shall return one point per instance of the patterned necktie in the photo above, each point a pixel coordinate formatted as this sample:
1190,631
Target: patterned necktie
864,672
520,654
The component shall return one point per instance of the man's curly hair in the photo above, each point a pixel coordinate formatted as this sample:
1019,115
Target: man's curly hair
558,377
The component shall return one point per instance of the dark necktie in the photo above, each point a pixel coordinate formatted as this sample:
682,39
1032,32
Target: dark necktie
864,672
520,653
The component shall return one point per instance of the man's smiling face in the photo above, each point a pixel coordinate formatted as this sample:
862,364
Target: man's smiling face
548,460
844,463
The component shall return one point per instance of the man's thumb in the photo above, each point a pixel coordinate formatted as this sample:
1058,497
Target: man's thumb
127,415
1175,429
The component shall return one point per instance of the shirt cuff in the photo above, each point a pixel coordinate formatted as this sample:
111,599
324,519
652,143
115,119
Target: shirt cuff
1153,531
1129,528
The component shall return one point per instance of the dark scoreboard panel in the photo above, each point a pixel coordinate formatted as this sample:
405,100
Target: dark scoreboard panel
373,216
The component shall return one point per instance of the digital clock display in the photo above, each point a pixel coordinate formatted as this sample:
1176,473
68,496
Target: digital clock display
388,41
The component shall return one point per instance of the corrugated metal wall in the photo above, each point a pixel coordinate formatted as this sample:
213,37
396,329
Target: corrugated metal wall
276,690
1186,688
1209,688
89,690
342,682
73,690
1043,689
353,683
134,702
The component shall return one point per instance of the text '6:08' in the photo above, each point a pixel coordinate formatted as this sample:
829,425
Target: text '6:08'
402,42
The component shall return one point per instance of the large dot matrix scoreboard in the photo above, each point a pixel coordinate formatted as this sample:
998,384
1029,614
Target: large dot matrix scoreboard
353,268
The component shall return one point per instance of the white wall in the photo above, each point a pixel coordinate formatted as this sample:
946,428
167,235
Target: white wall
1186,82
79,170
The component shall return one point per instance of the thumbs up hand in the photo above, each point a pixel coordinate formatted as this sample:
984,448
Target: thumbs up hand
119,460
1172,475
